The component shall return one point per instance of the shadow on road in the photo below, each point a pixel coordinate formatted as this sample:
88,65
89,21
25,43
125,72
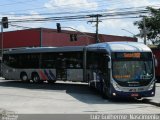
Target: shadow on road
80,92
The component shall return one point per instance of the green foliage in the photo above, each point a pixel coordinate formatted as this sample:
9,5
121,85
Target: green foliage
152,25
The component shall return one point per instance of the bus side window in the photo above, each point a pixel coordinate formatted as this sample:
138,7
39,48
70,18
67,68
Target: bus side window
48,60
92,61
12,61
5,59
74,60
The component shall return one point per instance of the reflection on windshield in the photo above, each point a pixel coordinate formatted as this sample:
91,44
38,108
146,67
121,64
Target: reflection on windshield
132,70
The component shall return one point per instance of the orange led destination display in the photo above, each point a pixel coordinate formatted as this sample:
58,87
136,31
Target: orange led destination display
132,55
122,76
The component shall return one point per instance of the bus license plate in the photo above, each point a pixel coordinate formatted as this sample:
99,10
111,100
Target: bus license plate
134,95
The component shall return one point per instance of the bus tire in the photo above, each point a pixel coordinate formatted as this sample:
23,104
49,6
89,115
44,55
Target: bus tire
36,78
91,86
24,77
51,81
138,98
105,93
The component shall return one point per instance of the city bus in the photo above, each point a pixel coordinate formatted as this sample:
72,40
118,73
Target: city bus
116,69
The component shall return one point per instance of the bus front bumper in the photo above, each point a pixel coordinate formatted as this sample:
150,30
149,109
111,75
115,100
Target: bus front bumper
149,93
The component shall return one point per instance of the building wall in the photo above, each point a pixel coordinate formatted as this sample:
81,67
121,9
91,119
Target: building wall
110,38
21,38
50,37
156,52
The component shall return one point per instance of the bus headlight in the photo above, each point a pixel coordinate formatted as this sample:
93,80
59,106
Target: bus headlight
151,86
116,87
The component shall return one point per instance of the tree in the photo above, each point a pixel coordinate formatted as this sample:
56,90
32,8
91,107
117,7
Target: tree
152,23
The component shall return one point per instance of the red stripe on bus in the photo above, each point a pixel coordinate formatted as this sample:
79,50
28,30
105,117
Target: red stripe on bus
43,76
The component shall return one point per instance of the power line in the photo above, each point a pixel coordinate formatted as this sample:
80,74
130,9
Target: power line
4,12
19,26
83,11
62,9
20,2
122,13
80,17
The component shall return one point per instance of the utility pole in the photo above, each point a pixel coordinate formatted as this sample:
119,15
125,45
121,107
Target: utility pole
144,31
97,23
4,24
1,58
1,42
41,37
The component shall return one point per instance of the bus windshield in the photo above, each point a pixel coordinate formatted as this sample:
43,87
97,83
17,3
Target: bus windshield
128,71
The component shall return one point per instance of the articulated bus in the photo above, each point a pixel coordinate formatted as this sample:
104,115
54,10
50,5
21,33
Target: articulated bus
116,69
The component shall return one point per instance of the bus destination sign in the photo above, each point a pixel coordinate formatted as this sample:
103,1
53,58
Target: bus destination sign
131,55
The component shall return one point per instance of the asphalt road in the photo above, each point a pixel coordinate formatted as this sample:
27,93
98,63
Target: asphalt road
61,97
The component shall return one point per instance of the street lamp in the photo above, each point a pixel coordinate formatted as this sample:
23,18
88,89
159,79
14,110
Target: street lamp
129,32
79,31
73,37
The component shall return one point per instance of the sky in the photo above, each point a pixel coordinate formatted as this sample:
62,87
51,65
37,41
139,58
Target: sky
22,10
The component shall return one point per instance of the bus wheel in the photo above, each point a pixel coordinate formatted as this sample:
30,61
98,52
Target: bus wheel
36,78
105,93
24,77
138,98
51,81
91,85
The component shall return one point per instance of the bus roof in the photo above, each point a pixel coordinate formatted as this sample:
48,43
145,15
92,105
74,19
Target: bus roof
106,46
122,47
44,49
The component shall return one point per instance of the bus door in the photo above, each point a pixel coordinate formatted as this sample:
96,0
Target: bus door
104,68
1,67
97,69
61,71
74,63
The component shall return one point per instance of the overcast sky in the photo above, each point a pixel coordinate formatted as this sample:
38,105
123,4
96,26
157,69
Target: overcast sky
24,9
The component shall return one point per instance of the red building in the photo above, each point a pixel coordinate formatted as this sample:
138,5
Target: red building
49,37
156,52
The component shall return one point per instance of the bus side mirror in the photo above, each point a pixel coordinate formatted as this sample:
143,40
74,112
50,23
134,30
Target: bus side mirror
109,64
108,58
155,61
